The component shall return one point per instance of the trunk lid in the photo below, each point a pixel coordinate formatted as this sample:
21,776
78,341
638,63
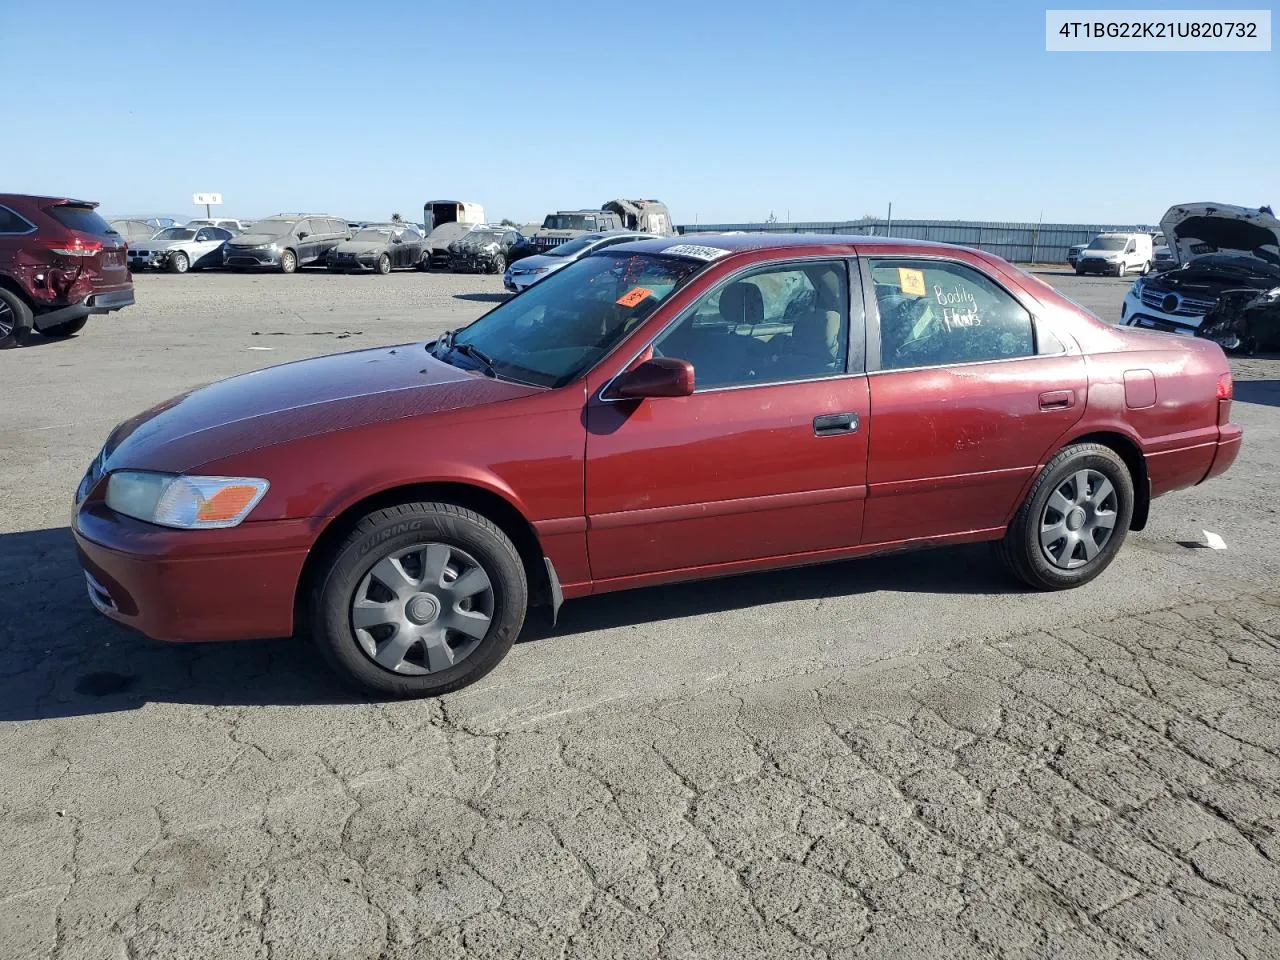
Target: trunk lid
91,255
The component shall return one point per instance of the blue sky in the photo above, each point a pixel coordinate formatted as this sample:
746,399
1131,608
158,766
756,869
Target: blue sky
726,111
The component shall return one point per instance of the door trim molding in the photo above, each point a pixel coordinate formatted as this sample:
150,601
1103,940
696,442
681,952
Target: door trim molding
723,508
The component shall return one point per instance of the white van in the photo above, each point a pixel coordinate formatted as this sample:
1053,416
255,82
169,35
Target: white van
1117,254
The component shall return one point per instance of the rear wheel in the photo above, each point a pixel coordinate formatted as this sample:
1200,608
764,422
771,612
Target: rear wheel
1073,521
1146,268
288,262
179,262
60,330
420,599
384,265
15,320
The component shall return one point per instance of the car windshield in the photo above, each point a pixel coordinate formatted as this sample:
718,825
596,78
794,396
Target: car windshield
558,329
573,247
1107,243
373,236
561,221
273,228
175,233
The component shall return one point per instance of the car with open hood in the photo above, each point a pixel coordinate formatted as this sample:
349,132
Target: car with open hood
484,249
179,249
1226,282
380,247
286,242
531,269
659,411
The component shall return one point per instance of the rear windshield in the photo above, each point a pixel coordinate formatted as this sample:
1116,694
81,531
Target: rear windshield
83,219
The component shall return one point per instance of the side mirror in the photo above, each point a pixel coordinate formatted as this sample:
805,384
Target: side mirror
302,235
659,377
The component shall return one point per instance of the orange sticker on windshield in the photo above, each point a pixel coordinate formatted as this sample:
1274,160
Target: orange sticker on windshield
911,281
633,296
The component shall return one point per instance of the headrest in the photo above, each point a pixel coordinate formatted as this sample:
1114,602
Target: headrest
742,302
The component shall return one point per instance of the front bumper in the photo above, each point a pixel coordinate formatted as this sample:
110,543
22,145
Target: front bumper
253,257
340,263
1098,265
187,586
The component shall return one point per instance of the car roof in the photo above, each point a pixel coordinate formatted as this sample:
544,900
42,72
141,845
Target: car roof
739,242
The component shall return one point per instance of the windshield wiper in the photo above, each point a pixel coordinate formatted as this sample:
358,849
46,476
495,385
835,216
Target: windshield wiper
475,353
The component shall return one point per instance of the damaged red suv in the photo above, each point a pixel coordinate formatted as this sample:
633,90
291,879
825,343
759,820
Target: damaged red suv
59,263
659,411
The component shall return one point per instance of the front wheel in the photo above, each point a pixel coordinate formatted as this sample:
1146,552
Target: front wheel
384,265
420,599
1073,521
499,264
288,262
179,262
1121,269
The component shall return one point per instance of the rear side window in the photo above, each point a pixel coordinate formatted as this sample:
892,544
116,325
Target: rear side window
83,219
10,222
337,226
937,312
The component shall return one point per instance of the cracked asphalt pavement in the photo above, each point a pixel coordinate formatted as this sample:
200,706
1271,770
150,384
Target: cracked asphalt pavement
898,757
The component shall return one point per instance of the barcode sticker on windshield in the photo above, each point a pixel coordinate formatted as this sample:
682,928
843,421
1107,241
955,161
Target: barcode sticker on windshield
911,281
634,296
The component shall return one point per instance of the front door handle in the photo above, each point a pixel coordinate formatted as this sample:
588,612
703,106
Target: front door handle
1057,400
830,424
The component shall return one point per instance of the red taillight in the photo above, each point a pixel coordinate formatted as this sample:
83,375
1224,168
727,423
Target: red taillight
75,247
1225,387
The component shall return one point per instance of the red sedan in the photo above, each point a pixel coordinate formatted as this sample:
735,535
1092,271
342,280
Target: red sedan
660,411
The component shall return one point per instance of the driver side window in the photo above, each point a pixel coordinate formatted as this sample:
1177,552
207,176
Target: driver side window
781,323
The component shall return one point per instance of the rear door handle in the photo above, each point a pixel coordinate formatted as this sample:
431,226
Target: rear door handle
1057,400
830,424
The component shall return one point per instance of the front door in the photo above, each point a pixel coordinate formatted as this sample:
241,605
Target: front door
767,458
968,397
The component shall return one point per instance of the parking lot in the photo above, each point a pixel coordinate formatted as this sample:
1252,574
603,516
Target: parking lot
906,756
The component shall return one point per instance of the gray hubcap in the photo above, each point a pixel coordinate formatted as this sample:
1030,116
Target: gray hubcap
1078,519
7,322
422,609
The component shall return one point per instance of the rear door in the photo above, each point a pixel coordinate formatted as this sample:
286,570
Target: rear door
969,394
767,458
96,251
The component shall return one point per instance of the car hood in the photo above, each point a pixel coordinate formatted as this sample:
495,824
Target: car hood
296,400
255,240
361,246
1194,229
1104,254
525,264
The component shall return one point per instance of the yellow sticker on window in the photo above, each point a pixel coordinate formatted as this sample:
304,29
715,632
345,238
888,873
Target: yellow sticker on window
911,281
634,296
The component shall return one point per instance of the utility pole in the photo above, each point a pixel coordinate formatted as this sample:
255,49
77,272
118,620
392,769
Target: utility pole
888,225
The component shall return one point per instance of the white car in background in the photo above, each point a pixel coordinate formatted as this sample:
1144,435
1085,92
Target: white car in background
179,249
527,271
226,223
1116,254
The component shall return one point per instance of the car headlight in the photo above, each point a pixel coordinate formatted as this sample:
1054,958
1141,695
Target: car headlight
1138,284
186,503
539,270
1273,294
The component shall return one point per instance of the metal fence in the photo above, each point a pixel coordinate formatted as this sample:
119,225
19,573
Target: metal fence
1015,242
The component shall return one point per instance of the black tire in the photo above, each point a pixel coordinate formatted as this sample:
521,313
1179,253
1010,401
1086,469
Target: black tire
383,533
1079,272
179,262
1146,268
499,264
423,265
15,320
383,266
288,262
1021,550
60,330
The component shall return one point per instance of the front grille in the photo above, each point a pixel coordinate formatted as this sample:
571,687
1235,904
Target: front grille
1185,306
551,241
